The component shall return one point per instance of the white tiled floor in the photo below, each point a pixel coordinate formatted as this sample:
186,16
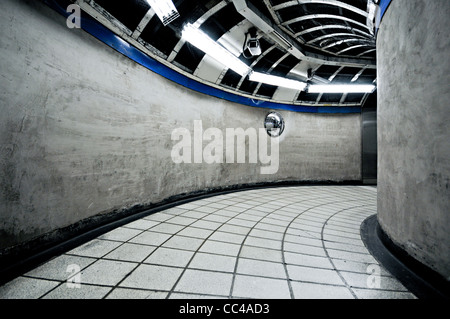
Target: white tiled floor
289,242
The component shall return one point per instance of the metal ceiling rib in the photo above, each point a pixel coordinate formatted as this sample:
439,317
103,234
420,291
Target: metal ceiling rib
327,2
331,26
324,16
338,40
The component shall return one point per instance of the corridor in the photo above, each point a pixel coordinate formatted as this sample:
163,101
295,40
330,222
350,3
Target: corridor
298,242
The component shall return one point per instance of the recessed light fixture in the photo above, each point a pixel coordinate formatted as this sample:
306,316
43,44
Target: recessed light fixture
203,42
335,88
277,81
165,10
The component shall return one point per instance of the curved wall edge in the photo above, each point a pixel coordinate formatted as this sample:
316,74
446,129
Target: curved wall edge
413,135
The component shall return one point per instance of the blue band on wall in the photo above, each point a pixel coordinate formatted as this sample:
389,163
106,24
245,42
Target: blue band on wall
384,4
106,36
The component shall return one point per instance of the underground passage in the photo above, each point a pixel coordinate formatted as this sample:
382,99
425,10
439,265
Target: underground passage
224,149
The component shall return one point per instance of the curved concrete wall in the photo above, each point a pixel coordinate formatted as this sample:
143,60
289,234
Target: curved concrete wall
413,130
85,131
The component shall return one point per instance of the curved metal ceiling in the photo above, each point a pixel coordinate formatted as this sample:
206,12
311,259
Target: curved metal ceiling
313,41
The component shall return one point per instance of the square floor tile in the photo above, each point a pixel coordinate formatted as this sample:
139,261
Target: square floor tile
382,294
274,228
216,205
227,237
303,290
372,281
142,224
59,268
261,253
314,275
262,242
234,229
261,288
347,247
106,272
236,209
95,248
213,262
261,268
205,209
347,255
126,293
266,234
304,249
354,266
26,288
180,295
167,228
181,242
241,222
220,248
304,239
181,220
121,234
205,282
169,257
216,218
195,232
152,277
226,213
150,238
131,252
168,213
206,224
194,214
307,260
83,292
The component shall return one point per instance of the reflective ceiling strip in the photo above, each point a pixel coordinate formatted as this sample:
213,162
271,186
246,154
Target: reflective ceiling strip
332,26
353,47
327,2
324,16
145,20
356,77
366,52
332,35
331,78
319,98
196,24
346,41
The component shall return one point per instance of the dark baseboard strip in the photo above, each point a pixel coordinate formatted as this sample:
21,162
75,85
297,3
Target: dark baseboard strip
22,258
421,280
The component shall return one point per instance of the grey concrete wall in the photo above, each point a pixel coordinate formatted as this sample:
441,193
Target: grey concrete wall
85,131
413,50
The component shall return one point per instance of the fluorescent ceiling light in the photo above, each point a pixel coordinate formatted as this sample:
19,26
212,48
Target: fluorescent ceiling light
165,10
199,39
334,88
277,81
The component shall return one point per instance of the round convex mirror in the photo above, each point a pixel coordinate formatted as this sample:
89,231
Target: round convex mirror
274,124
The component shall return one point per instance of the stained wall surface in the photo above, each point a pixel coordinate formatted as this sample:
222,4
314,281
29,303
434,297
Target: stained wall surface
85,131
413,130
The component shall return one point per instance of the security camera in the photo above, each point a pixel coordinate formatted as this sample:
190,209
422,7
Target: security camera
251,45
